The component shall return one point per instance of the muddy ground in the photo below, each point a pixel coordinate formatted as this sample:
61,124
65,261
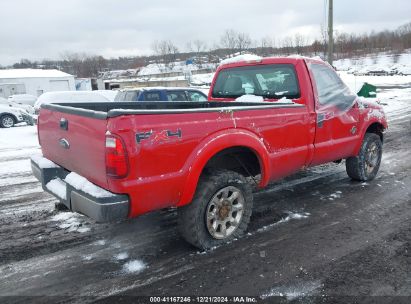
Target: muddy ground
315,237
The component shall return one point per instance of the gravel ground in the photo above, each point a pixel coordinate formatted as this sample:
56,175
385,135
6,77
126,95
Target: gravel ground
315,237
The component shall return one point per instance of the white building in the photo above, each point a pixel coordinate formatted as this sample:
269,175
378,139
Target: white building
35,81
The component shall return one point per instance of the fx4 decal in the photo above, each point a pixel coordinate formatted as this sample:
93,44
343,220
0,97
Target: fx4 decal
164,135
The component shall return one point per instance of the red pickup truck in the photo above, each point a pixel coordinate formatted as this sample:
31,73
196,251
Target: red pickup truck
265,119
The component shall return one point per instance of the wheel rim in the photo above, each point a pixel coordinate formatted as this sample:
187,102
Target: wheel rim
372,157
224,212
7,121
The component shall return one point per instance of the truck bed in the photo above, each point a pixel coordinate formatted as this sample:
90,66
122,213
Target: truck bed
103,110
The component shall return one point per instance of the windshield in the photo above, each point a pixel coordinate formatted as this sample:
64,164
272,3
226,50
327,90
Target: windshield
269,81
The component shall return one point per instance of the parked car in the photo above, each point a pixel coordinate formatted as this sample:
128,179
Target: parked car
70,96
265,119
9,116
161,94
25,99
29,109
403,71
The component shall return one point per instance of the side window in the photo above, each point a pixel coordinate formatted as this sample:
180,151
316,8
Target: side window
131,96
331,89
176,96
152,96
196,96
120,96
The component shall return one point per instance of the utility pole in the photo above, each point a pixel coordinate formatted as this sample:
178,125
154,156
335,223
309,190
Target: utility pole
330,32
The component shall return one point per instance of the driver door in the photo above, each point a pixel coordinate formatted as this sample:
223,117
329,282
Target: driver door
337,116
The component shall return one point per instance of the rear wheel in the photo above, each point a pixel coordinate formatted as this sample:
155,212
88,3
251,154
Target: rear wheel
7,121
220,210
365,165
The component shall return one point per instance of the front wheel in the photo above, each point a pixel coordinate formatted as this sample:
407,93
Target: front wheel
365,165
220,210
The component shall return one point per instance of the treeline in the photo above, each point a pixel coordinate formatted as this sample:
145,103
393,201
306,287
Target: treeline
231,42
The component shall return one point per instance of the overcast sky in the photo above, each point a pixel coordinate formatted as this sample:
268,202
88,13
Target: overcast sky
37,29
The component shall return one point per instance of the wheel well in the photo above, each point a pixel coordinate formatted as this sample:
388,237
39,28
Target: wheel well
239,159
378,129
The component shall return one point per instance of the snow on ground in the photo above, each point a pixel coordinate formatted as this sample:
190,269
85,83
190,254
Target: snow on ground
290,216
121,256
134,266
379,61
293,292
202,79
179,66
356,82
70,221
18,138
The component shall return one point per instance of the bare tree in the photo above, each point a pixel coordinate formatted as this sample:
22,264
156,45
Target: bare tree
165,51
82,64
243,42
299,43
229,40
287,45
199,48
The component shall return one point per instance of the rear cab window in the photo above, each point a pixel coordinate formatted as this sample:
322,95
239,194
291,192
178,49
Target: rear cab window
273,81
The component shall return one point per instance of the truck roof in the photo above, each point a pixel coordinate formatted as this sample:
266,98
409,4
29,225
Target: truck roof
294,59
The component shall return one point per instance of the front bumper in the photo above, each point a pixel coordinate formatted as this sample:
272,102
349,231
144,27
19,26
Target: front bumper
105,208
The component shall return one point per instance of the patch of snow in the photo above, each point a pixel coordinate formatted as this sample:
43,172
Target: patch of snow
293,292
31,73
239,58
70,222
379,114
81,183
250,98
100,242
63,216
70,97
58,187
286,100
87,257
43,162
335,195
134,266
290,216
121,256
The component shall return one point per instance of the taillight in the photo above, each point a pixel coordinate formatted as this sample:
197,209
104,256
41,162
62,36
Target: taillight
116,157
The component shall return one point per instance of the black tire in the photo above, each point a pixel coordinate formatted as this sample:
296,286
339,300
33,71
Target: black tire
7,121
365,166
192,219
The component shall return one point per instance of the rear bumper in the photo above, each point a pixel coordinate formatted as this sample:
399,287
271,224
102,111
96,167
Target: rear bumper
104,208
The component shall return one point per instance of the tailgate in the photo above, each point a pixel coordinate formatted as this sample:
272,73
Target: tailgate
77,143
